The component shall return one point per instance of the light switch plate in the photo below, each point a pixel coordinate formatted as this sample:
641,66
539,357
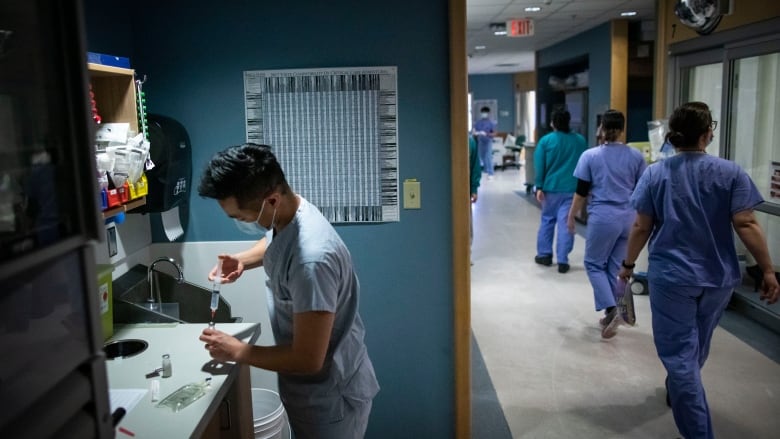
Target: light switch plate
412,194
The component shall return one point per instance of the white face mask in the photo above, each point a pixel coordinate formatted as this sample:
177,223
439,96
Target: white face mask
255,228
484,115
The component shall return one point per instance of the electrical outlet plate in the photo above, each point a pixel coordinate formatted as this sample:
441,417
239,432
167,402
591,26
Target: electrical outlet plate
412,194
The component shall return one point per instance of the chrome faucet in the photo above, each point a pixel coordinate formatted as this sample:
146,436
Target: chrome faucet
150,278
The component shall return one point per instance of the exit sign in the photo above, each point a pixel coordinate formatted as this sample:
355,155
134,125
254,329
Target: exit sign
523,27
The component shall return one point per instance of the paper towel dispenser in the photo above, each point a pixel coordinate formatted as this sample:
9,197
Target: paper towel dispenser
170,179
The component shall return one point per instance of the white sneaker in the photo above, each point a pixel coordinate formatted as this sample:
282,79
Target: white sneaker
490,177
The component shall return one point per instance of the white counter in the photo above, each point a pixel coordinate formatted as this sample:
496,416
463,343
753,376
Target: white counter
188,356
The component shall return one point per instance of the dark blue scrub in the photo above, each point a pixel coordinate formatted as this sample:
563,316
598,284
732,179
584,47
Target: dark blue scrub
693,267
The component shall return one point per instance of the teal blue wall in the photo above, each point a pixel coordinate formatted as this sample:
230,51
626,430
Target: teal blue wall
194,54
500,87
593,46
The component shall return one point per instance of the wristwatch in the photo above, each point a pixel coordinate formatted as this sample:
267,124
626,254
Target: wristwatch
629,266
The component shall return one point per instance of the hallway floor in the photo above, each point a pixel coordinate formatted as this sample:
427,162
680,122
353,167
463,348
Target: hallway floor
554,376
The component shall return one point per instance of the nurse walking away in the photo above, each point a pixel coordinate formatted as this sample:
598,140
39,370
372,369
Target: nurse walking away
326,379
555,158
607,174
687,205
485,130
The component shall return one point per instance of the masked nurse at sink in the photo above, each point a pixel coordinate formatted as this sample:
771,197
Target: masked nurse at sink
326,379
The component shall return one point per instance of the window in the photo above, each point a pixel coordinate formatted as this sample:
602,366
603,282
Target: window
755,120
704,83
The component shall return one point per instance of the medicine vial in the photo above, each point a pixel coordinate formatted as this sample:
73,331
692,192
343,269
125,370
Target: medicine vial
167,369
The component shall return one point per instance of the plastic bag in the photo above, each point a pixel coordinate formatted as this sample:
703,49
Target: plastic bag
624,299
185,395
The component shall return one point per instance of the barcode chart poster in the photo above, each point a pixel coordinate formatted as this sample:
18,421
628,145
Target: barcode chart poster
334,132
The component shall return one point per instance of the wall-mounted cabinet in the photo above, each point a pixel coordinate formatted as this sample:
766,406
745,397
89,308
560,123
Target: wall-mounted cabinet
113,90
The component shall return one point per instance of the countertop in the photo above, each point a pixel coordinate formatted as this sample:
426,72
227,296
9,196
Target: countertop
188,358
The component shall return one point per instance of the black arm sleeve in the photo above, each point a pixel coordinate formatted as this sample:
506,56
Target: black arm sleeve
583,187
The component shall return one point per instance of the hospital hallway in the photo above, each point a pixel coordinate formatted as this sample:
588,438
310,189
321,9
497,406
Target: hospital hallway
537,336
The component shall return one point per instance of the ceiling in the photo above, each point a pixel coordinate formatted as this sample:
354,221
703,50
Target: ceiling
556,21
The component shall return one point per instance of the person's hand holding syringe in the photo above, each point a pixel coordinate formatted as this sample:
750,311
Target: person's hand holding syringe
227,270
215,292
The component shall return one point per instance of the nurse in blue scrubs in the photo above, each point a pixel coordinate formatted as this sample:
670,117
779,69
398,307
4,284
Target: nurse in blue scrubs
689,205
485,130
607,175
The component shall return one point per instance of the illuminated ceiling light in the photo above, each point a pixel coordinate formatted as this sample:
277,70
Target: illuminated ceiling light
480,48
628,14
499,32
533,9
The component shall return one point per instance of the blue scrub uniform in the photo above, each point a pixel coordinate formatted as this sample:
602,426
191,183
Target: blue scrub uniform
555,158
693,267
310,269
485,143
613,170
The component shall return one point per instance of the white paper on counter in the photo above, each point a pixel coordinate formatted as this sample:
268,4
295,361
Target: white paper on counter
172,224
125,398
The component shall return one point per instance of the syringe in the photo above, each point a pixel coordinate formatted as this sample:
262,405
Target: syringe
215,293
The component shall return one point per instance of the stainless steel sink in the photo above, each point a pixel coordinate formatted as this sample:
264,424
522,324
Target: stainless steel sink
192,302
124,348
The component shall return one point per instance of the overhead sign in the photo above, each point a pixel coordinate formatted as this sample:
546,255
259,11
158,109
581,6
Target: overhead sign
523,27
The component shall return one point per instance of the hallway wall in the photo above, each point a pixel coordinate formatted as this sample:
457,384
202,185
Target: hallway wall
194,54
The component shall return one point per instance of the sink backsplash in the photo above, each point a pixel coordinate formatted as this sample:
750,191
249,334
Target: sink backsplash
131,305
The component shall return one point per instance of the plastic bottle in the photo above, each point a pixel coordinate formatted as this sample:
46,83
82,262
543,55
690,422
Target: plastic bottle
167,368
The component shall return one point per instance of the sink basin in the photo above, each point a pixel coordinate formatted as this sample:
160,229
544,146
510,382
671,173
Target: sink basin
124,348
182,302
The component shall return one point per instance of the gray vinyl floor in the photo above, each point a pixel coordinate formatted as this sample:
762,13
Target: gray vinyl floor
538,339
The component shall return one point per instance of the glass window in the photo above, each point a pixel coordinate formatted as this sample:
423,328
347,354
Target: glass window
704,83
755,121
771,226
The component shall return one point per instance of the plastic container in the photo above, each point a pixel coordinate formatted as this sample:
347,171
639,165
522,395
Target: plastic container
268,414
139,188
106,298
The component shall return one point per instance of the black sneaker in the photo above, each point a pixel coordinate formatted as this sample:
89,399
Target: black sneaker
563,268
543,260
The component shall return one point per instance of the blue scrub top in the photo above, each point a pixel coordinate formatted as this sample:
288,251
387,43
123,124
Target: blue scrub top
692,198
613,169
488,126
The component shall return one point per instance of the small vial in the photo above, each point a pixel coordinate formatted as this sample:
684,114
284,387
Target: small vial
167,369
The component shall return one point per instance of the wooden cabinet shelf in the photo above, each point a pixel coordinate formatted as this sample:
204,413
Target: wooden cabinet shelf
114,90
130,205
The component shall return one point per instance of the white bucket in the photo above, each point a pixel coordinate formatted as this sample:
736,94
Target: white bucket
268,414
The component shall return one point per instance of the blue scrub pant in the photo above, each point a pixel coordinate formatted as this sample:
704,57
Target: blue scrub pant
485,152
683,321
605,249
555,211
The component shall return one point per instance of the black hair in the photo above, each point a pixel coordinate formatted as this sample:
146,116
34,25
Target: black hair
688,123
612,124
560,120
484,110
247,172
